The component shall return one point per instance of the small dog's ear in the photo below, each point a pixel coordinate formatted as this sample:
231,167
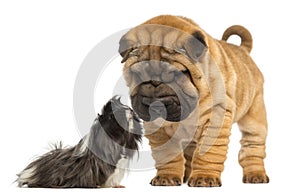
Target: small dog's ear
195,45
124,48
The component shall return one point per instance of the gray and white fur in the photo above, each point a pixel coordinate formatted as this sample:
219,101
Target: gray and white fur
98,160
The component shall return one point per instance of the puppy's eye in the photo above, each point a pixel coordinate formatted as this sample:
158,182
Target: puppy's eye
135,52
180,51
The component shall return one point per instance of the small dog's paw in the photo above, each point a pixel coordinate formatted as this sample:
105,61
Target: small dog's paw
204,181
166,180
256,177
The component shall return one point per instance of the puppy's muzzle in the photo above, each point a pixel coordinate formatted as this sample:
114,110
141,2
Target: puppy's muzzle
159,92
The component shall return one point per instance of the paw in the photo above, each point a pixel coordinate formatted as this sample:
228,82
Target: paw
166,180
204,181
256,177
119,186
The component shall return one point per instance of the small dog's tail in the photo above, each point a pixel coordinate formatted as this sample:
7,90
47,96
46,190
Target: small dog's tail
246,38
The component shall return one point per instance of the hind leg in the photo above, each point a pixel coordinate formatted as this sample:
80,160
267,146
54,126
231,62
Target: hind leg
254,131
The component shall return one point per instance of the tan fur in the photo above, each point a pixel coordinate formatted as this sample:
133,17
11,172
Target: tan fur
242,32
230,88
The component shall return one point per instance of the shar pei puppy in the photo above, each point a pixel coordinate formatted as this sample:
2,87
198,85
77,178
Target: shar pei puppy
189,89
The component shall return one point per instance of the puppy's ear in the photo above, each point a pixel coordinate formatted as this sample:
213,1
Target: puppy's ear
124,48
195,45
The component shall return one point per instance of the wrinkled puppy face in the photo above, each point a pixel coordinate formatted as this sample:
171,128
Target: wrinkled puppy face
156,71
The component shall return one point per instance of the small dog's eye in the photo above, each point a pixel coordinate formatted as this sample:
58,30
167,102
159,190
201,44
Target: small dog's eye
111,116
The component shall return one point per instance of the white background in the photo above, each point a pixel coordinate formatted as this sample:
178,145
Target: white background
42,45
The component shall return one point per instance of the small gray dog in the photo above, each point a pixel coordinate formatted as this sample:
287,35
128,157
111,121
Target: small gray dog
98,160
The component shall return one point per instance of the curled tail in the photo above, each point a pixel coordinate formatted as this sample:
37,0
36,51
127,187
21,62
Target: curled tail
246,38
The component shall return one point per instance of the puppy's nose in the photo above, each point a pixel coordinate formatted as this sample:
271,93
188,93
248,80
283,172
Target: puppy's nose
155,83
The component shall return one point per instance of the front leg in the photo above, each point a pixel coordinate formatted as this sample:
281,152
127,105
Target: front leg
210,154
169,160
169,174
